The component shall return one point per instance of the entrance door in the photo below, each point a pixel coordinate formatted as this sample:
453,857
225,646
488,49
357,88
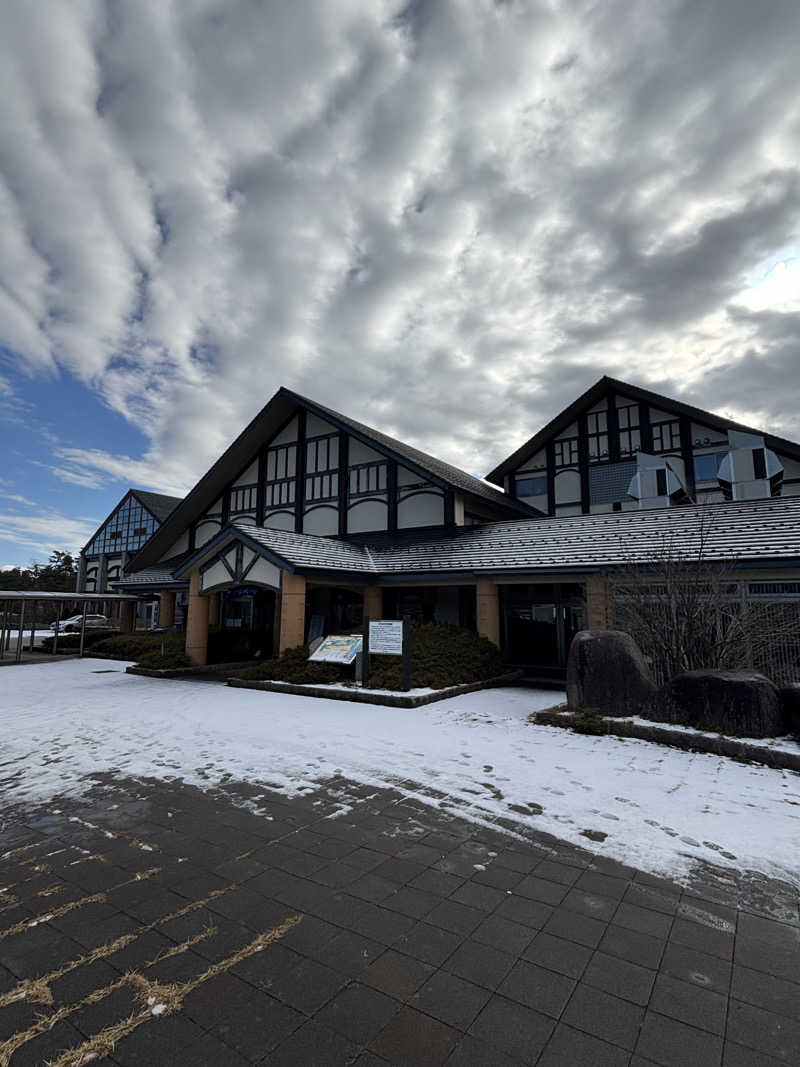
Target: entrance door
247,621
539,622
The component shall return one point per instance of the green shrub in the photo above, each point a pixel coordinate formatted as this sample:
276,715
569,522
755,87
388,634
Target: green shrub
136,646
589,721
72,642
293,666
170,661
441,656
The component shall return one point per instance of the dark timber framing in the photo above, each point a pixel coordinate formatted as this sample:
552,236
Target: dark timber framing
391,488
300,472
343,481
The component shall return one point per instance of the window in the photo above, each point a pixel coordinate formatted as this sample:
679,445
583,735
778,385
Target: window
706,467
532,485
367,478
279,494
115,535
597,426
323,486
279,491
243,498
139,531
566,452
281,462
667,436
629,435
322,454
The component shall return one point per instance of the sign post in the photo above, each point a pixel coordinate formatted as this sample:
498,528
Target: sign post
406,653
365,652
389,637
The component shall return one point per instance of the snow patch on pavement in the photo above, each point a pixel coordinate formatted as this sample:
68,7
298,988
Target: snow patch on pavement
474,755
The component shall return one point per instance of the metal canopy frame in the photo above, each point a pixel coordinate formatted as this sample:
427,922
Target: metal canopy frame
23,597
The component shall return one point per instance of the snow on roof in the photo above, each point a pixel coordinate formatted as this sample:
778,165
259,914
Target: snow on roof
747,531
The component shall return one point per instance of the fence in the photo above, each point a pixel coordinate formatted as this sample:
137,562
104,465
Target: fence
776,650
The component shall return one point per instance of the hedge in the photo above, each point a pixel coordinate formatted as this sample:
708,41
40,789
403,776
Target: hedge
441,655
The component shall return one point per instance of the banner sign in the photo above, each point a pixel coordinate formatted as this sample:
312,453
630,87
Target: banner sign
338,648
386,637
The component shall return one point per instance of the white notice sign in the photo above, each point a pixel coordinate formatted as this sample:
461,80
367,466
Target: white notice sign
386,637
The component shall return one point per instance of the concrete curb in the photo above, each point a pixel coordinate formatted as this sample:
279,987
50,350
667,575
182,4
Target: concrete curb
362,696
188,672
718,746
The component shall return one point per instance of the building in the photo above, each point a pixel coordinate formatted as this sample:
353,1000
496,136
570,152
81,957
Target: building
310,518
114,544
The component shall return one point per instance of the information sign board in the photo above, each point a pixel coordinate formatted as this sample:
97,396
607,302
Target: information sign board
386,637
338,648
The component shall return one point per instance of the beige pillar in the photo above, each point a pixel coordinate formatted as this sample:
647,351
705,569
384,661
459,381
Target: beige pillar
599,614
213,609
197,622
126,616
373,601
488,605
166,608
293,611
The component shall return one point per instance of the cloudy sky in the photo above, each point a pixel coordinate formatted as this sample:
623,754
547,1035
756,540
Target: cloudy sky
444,217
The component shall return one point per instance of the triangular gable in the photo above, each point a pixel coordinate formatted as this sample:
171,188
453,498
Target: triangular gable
273,417
598,392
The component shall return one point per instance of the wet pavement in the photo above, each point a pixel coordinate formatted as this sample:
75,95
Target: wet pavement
154,923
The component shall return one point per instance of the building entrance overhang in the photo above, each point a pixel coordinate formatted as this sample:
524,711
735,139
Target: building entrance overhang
233,559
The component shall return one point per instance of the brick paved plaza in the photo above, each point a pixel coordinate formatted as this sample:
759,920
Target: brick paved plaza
167,925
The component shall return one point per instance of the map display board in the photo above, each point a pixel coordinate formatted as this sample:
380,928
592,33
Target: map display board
338,648
386,637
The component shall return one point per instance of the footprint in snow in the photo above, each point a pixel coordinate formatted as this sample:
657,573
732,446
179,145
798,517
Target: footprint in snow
690,841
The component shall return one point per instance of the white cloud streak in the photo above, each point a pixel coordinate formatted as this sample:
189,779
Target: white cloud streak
446,217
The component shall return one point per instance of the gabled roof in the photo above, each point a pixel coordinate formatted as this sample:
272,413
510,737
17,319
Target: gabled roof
597,392
159,505
745,533
269,421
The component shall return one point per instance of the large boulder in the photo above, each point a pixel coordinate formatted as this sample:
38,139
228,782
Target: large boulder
606,670
790,699
740,703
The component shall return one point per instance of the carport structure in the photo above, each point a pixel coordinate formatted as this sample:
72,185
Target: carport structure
12,615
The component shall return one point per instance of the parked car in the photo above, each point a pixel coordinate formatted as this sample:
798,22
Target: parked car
72,625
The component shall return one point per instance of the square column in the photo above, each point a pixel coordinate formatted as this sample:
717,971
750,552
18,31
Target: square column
166,608
197,622
373,601
126,616
293,611
599,611
488,606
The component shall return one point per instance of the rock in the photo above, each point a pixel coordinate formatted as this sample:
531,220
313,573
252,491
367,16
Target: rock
606,670
790,700
739,703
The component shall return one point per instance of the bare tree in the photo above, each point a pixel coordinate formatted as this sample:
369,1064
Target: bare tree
687,606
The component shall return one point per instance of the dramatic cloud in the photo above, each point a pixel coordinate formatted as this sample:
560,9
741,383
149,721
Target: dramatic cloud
445,217
44,533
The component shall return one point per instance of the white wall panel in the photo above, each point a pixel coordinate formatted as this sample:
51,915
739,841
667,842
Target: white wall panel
537,462
322,521
205,531
287,434
568,486
249,476
280,520
217,574
181,545
316,426
359,453
265,573
367,516
421,509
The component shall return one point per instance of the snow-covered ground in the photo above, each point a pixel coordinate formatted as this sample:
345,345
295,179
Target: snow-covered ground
475,755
